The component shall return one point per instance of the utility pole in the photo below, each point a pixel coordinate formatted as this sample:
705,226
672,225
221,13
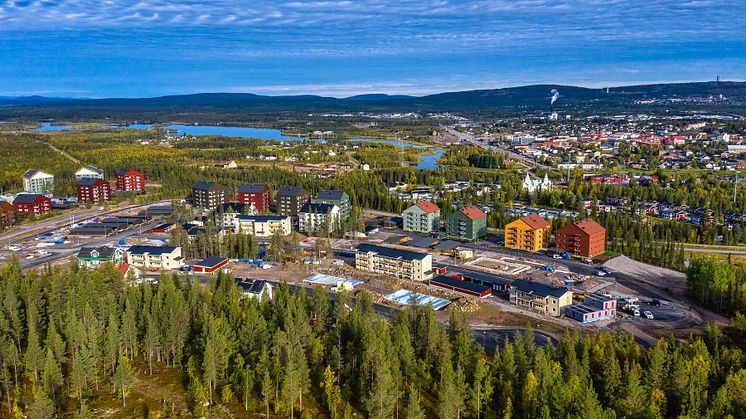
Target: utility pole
735,187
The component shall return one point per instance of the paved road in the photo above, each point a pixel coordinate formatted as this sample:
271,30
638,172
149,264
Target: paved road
469,138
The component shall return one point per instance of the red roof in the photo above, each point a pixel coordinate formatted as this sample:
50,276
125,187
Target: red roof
590,227
473,212
428,207
535,221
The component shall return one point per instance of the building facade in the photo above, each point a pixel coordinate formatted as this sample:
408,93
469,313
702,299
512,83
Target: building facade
290,200
595,307
535,185
468,223
7,214
540,297
89,172
582,238
335,197
402,264
32,204
264,225
528,233
315,217
36,182
93,191
256,194
130,180
155,258
423,217
93,257
210,195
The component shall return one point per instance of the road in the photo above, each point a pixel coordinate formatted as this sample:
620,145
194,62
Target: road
469,138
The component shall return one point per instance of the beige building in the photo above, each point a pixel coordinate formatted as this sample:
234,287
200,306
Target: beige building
264,225
540,297
155,258
402,264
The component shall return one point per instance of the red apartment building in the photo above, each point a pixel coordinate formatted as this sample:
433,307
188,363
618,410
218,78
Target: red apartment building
254,193
93,191
130,180
583,238
32,204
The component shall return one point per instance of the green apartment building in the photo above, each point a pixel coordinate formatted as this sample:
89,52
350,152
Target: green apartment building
335,197
468,223
423,217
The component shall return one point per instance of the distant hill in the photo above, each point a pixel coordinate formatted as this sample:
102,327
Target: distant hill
522,97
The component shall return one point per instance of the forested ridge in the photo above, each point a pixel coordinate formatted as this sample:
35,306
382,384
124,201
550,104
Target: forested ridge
67,335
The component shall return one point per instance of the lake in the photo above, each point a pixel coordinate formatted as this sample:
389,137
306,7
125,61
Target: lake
46,126
427,162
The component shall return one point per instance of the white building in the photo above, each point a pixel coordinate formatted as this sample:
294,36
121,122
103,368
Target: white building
314,217
37,182
89,172
263,225
155,258
534,185
257,288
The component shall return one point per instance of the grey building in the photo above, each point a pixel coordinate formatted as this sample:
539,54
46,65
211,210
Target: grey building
210,195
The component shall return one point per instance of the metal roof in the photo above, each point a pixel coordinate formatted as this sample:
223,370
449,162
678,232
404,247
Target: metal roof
391,253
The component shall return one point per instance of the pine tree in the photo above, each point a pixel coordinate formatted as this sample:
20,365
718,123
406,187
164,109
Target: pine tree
123,377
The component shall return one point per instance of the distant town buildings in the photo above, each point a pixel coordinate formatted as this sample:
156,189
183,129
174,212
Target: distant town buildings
36,182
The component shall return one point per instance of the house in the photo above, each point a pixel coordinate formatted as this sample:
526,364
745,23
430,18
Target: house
93,257
257,288
535,185
582,238
263,225
7,214
256,194
89,172
155,258
128,271
335,197
130,180
546,299
35,204
210,195
595,307
402,264
93,190
528,233
423,217
314,217
290,199
36,182
468,223
210,264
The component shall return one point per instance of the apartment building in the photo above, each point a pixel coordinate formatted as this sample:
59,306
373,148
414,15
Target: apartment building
528,233
468,223
256,194
540,297
335,197
36,182
422,217
210,195
89,172
93,190
582,238
290,200
402,264
263,225
155,258
315,217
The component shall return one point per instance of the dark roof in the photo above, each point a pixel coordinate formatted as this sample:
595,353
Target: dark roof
89,181
252,187
262,218
447,244
211,262
92,169
422,242
538,288
332,195
159,209
124,172
26,198
103,252
206,185
291,191
391,253
314,208
253,287
484,277
457,283
395,239
153,250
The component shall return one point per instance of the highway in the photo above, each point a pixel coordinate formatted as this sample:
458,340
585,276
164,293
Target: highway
469,138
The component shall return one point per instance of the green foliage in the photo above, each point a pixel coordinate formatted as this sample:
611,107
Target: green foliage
717,284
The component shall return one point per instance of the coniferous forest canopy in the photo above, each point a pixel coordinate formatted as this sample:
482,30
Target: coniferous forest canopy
72,340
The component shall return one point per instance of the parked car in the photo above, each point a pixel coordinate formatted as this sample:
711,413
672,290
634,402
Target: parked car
649,315
601,273
556,256
655,303
636,312
14,248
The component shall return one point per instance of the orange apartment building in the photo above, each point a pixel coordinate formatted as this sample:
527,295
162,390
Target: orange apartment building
582,238
528,233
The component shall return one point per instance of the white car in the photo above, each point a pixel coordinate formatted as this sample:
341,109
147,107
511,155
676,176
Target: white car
649,315
14,248
636,312
557,256
601,273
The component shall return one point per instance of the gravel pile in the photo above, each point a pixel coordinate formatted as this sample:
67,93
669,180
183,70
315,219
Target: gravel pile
627,266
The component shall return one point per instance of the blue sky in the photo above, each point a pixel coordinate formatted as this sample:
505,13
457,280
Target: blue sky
131,48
